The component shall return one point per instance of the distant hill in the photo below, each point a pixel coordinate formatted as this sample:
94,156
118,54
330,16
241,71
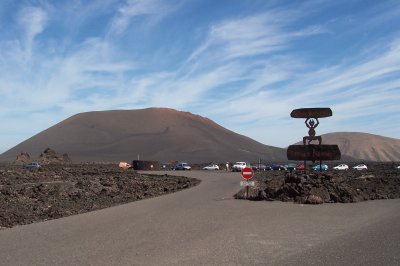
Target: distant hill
364,146
150,134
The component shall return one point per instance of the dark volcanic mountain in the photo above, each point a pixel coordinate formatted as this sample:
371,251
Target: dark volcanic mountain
152,134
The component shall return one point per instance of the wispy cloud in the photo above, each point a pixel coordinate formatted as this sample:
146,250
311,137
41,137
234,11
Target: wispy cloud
244,37
32,20
247,72
152,10
353,88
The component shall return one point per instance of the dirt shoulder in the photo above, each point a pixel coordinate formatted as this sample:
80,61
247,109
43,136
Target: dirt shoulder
56,191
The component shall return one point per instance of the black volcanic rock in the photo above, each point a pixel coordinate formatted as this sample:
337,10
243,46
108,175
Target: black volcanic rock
380,182
62,190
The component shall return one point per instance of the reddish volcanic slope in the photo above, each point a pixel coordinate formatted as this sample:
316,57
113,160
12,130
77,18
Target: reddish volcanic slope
152,134
365,146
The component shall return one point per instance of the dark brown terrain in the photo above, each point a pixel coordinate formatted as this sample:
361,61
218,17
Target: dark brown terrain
55,191
380,181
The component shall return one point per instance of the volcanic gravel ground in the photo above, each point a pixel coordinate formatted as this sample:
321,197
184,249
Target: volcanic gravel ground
381,181
55,191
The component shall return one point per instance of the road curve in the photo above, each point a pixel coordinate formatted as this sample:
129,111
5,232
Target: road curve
204,225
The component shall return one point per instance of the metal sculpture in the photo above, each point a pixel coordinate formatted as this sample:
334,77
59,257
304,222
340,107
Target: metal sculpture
308,151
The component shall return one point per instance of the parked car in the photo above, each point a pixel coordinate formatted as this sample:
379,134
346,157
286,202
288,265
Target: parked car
317,167
259,167
398,167
300,167
341,167
291,167
239,166
360,167
182,166
211,167
124,165
278,167
32,166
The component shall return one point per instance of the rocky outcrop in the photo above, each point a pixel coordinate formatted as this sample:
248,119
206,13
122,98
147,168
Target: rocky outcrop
22,158
49,156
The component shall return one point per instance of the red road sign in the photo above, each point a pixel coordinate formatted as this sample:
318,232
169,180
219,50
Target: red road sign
247,173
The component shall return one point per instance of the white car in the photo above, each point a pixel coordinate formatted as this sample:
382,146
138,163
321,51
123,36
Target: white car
239,166
182,166
360,167
341,167
398,167
211,167
33,165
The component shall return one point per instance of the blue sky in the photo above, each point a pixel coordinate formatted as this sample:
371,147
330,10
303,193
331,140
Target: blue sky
243,64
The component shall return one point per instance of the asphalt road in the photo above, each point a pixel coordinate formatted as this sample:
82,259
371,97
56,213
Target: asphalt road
204,225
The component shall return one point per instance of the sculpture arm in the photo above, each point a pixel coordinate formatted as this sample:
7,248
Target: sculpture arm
306,122
316,123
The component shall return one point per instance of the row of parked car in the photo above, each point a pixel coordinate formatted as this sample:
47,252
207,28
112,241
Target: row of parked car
238,166
340,167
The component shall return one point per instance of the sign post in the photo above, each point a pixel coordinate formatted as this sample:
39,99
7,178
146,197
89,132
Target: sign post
247,173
